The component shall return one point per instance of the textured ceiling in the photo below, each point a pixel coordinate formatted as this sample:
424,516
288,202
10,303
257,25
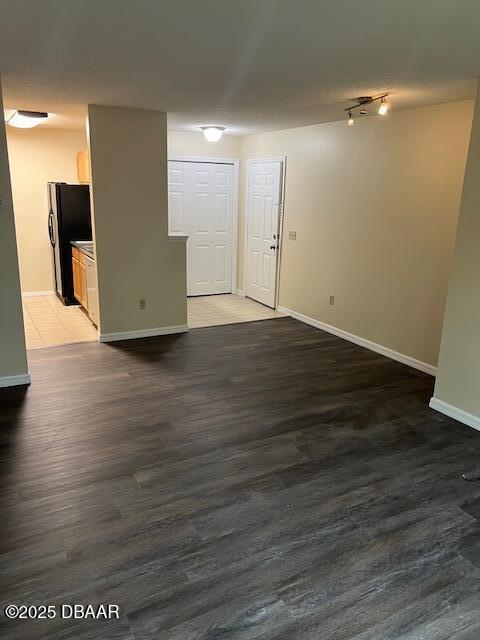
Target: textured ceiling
251,65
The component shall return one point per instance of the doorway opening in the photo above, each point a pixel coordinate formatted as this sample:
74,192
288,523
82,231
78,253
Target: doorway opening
203,205
51,196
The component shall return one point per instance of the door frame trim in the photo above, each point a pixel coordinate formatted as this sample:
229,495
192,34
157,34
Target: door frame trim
281,216
235,187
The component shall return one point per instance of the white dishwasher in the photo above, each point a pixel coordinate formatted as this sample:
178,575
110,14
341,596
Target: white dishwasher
92,300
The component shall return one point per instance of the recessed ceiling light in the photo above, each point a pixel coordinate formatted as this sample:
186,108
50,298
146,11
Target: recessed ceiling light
212,133
27,119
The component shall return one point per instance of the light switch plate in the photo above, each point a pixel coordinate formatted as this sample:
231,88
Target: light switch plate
292,235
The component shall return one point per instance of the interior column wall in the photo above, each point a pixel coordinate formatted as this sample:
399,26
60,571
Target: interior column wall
135,260
13,357
458,379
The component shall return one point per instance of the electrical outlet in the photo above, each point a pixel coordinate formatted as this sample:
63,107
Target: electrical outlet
292,235
142,303
332,300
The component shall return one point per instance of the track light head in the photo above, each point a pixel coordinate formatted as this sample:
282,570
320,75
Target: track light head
383,108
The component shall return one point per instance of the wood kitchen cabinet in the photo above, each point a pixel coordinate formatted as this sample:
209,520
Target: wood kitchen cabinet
83,167
79,277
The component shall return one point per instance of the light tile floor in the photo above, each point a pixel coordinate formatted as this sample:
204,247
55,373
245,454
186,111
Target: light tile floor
48,322
207,311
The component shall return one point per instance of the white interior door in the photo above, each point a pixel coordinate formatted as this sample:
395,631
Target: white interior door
178,179
201,206
263,227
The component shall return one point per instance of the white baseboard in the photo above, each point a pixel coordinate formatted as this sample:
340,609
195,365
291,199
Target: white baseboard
362,342
15,381
240,292
33,294
143,333
454,412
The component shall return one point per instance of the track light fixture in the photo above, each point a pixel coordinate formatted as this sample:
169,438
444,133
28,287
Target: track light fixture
362,103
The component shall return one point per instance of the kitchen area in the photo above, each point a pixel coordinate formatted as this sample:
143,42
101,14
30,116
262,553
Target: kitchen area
73,255
70,313
51,193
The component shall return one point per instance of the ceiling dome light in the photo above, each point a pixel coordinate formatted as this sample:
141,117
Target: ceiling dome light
27,119
212,134
383,108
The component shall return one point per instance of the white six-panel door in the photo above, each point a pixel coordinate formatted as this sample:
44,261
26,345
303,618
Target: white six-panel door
177,197
201,206
263,227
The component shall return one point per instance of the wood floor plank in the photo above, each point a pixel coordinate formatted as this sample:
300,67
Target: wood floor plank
264,480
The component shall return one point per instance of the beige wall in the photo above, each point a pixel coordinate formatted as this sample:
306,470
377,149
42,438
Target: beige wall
458,381
38,156
13,359
189,143
135,259
375,209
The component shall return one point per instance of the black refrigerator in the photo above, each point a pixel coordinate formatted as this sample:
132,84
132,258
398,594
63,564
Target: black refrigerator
68,219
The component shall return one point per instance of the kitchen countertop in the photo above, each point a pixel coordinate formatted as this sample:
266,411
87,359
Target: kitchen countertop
85,246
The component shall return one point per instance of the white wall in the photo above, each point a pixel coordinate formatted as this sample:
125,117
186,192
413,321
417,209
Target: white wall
186,143
38,156
375,208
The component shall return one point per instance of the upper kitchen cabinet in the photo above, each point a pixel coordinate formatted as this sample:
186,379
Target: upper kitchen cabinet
83,167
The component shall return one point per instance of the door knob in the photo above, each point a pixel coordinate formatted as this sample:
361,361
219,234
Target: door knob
272,246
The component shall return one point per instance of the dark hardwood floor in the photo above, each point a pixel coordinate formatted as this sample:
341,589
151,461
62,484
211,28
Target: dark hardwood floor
261,480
